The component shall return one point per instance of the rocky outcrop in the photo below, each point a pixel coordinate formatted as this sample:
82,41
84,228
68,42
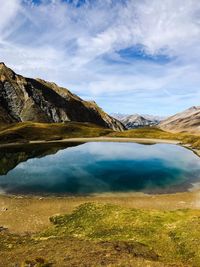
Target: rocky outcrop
24,99
186,121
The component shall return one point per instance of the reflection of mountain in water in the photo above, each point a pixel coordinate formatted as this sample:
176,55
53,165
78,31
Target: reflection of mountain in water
10,157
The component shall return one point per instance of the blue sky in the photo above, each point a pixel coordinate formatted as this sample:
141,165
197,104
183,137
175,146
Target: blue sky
130,56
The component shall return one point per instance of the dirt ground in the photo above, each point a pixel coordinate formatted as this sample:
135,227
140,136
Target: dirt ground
31,214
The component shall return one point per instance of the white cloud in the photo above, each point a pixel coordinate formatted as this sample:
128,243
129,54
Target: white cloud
9,9
78,47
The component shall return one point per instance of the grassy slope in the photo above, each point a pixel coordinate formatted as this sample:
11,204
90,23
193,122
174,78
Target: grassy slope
48,131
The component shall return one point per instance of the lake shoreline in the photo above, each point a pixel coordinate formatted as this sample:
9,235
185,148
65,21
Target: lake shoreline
105,139
95,139
30,213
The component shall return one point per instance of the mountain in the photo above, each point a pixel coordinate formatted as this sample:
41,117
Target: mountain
24,99
186,121
154,118
137,121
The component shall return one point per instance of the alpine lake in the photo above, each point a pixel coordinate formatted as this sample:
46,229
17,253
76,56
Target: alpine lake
79,169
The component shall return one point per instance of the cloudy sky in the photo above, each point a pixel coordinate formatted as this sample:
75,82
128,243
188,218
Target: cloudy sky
130,56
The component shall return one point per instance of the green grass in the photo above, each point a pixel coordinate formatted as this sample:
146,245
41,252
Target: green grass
171,235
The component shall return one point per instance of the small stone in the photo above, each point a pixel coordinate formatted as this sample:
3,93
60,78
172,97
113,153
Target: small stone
4,209
2,229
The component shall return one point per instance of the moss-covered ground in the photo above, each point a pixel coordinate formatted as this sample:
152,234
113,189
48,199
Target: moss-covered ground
97,234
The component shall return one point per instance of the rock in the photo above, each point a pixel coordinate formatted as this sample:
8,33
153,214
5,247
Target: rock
4,209
2,229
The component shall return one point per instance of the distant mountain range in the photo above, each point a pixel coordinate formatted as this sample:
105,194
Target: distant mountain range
24,99
186,121
137,121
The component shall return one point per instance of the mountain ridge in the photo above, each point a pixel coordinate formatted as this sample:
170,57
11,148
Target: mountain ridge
26,99
185,121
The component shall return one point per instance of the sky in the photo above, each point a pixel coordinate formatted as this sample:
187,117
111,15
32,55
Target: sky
130,56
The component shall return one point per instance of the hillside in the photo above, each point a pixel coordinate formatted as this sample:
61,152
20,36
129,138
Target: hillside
186,121
24,132
24,99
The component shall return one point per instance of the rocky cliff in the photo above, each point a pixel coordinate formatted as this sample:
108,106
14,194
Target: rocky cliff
186,121
24,99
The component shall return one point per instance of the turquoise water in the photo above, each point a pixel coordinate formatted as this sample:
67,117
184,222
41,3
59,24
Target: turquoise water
98,168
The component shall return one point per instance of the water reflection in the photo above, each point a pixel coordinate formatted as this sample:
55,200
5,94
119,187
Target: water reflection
11,156
97,168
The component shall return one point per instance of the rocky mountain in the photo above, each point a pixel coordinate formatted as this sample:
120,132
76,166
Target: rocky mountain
154,118
186,121
25,99
137,121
